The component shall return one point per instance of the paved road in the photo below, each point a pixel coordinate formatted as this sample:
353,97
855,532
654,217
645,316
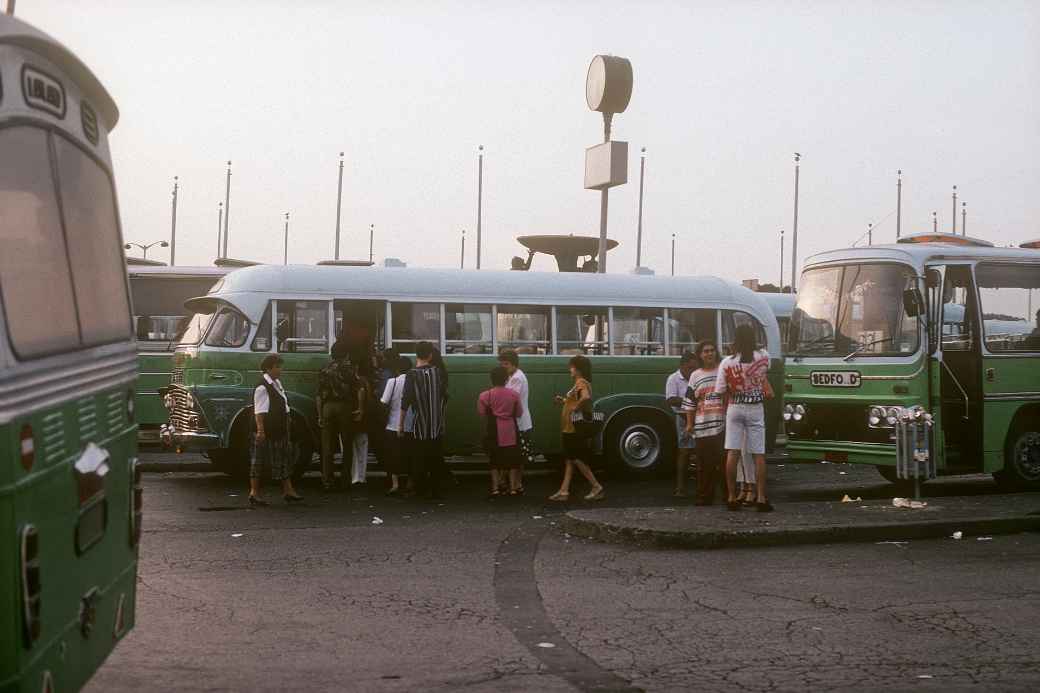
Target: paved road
489,596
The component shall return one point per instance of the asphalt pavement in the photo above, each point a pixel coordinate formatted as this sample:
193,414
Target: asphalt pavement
362,592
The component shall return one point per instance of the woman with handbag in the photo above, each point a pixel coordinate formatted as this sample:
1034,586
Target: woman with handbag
500,407
392,448
576,427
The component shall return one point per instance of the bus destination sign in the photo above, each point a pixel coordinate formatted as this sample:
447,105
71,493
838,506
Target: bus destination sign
835,378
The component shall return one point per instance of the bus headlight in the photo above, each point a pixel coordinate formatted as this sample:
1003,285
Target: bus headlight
892,415
799,412
874,416
788,412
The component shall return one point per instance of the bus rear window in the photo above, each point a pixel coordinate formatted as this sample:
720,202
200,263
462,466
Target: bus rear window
34,270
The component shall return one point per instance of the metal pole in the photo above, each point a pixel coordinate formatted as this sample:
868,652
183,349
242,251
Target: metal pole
794,237
870,234
173,226
462,256
603,198
955,210
964,218
227,208
781,260
339,202
285,256
899,202
639,227
10,7
673,254
935,223
371,240
480,197
220,221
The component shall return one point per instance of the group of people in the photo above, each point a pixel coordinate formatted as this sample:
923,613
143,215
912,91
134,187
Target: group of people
720,419
398,410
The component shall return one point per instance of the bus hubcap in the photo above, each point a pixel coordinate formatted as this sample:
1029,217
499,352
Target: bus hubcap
640,446
1027,456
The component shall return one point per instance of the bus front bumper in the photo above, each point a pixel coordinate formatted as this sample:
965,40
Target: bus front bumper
842,451
188,441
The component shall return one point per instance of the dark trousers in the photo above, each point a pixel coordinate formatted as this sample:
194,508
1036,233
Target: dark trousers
338,429
427,466
711,455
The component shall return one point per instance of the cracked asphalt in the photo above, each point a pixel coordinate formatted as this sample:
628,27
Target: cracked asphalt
479,595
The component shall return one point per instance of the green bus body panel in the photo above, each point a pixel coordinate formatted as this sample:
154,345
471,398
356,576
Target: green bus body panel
1017,378
617,382
153,374
47,498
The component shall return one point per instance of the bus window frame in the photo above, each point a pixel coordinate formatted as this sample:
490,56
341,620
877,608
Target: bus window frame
329,327
1034,353
213,321
53,130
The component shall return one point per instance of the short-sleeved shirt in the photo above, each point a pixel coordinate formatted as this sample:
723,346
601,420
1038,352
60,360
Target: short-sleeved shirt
745,383
262,401
676,386
504,404
518,384
392,397
570,403
708,406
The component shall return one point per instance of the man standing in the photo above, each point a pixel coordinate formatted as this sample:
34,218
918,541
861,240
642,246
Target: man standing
510,360
337,390
425,395
674,391
705,422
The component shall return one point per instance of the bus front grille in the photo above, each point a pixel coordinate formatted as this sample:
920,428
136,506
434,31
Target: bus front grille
183,416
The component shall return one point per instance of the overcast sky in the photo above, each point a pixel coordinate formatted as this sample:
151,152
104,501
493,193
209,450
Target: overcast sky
724,94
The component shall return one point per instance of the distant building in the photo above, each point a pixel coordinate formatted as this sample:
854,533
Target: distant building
751,284
394,262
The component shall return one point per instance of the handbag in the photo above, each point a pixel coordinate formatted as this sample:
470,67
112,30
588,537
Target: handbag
586,422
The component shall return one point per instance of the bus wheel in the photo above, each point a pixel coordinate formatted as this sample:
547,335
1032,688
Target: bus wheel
637,444
234,460
1021,470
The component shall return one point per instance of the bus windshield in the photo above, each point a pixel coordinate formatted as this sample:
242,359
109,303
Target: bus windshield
853,309
193,328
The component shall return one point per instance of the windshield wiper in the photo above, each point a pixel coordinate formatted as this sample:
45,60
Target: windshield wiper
802,347
861,347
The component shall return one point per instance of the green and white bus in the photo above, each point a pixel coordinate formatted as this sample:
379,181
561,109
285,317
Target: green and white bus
158,294
936,324
619,321
70,498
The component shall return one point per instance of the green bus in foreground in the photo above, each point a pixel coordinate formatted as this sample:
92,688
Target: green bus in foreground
937,328
70,499
632,328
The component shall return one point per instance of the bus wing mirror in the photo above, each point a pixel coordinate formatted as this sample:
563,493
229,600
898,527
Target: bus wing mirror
913,302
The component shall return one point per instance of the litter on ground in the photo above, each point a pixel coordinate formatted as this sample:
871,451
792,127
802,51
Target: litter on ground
847,499
957,535
908,503
546,645
983,538
377,520
236,535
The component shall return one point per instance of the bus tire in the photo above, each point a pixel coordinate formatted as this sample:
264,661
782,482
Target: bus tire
639,444
1021,470
234,460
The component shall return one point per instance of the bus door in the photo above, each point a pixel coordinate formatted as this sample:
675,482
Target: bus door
960,369
360,323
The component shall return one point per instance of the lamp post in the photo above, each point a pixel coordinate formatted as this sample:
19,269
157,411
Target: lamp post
220,220
462,255
371,240
639,226
480,197
145,247
781,260
285,255
870,233
935,223
673,254
899,202
964,218
339,202
794,236
227,208
173,225
955,210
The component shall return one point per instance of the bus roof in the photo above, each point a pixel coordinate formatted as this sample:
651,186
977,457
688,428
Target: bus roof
17,33
483,286
782,305
177,271
917,254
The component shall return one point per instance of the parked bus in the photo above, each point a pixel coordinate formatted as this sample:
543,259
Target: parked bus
937,324
70,496
782,306
618,320
158,294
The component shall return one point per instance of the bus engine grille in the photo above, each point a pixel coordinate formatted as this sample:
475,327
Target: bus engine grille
182,416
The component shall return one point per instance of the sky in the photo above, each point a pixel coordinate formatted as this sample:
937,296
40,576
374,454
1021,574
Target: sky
724,94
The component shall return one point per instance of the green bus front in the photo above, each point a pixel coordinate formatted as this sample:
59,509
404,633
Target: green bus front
70,498
951,335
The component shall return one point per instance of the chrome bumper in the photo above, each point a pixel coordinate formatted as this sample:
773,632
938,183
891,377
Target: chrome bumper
188,441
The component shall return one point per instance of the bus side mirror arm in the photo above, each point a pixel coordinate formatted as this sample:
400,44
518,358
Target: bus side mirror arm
913,302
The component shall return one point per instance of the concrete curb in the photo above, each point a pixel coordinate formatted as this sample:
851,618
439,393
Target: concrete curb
608,532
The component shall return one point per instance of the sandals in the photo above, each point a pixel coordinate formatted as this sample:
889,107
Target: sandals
560,497
517,491
597,495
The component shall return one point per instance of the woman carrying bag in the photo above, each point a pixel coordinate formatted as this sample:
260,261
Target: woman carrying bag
576,425
500,407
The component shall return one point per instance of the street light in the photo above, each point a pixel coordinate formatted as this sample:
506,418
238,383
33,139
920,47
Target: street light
220,222
227,208
173,225
899,202
146,246
794,237
480,196
781,260
339,202
371,240
673,254
285,256
639,226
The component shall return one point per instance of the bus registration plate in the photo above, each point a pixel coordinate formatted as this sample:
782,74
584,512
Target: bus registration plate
835,378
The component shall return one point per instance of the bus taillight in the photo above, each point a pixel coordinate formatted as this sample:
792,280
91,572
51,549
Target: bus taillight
137,494
28,447
30,569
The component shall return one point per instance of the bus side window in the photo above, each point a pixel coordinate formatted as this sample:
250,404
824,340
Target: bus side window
230,329
634,333
262,340
687,327
731,320
467,329
524,328
302,327
958,314
34,270
582,330
412,323
1010,298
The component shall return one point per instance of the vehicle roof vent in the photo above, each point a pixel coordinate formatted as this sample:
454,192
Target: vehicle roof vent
946,239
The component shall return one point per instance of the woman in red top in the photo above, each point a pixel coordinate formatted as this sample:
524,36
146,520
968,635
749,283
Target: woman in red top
501,407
